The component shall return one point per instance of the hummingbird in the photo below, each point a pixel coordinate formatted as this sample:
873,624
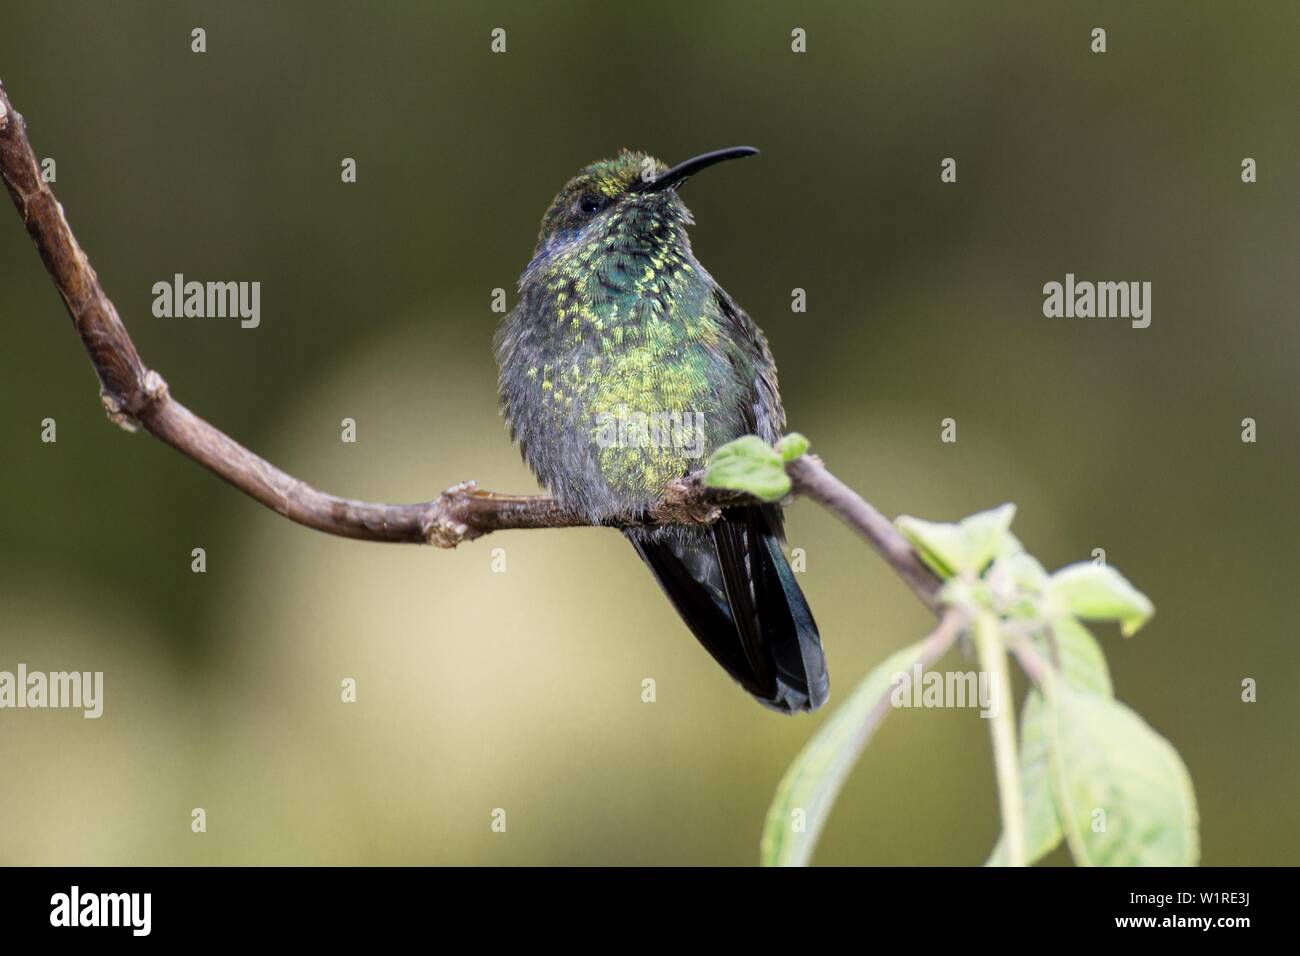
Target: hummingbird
623,366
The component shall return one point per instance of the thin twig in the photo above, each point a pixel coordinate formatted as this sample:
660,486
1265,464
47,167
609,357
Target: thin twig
812,479
1002,732
133,395
1030,662
935,645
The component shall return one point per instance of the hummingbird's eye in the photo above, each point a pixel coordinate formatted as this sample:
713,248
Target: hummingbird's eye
589,204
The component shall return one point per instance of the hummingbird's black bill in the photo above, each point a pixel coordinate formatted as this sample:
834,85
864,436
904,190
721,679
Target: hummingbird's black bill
682,171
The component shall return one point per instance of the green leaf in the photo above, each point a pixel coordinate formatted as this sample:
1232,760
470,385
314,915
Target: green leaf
1121,790
1011,546
1082,663
1023,570
792,446
808,790
1016,581
749,464
937,544
1100,593
988,534
965,547
1042,827
1083,668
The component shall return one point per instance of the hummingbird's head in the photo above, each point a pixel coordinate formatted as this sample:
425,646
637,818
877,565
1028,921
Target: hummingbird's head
628,194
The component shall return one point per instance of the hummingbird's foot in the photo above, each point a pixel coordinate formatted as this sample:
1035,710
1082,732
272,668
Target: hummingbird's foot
682,503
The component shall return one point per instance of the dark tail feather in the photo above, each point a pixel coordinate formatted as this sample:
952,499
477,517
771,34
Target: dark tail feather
736,592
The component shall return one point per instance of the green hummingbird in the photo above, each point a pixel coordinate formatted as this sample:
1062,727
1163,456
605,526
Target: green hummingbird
623,366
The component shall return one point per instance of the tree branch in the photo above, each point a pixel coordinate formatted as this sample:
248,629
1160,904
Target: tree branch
132,394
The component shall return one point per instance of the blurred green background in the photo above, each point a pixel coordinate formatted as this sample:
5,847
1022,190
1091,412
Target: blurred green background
521,690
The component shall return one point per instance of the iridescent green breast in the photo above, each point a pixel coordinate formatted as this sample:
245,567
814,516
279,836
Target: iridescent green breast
640,359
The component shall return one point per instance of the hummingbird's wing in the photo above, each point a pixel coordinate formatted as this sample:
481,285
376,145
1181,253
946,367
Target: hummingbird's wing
751,360
731,583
